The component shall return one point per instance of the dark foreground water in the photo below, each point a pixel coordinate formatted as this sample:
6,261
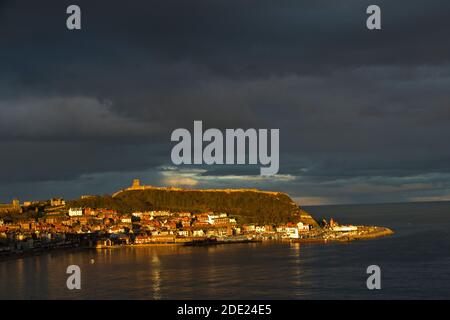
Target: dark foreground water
415,263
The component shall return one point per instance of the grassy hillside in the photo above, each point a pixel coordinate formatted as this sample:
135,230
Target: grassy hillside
246,205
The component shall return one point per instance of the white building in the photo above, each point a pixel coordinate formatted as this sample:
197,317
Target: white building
344,228
183,233
75,212
292,232
126,220
302,227
116,230
212,218
260,229
198,233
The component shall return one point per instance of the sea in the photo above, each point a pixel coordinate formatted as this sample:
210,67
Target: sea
414,264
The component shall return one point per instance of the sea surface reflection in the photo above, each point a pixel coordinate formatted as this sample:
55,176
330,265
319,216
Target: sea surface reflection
415,263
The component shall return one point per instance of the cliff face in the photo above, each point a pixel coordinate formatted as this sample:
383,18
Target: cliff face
247,205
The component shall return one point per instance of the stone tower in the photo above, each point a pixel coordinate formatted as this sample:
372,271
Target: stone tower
136,184
15,203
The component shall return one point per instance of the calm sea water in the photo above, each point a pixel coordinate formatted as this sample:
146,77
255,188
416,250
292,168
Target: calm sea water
415,263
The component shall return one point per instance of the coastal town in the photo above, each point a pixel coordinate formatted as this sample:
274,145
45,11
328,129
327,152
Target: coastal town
36,226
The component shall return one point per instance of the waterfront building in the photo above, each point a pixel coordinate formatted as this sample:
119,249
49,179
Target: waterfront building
142,239
260,229
344,228
116,229
248,228
302,227
292,232
198,233
183,233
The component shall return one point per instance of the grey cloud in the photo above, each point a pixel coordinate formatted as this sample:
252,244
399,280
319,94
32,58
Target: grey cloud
352,106
71,118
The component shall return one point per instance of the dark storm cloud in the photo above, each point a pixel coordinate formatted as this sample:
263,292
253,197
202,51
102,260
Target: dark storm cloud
363,115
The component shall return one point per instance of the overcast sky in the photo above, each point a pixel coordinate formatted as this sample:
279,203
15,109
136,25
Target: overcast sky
363,115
